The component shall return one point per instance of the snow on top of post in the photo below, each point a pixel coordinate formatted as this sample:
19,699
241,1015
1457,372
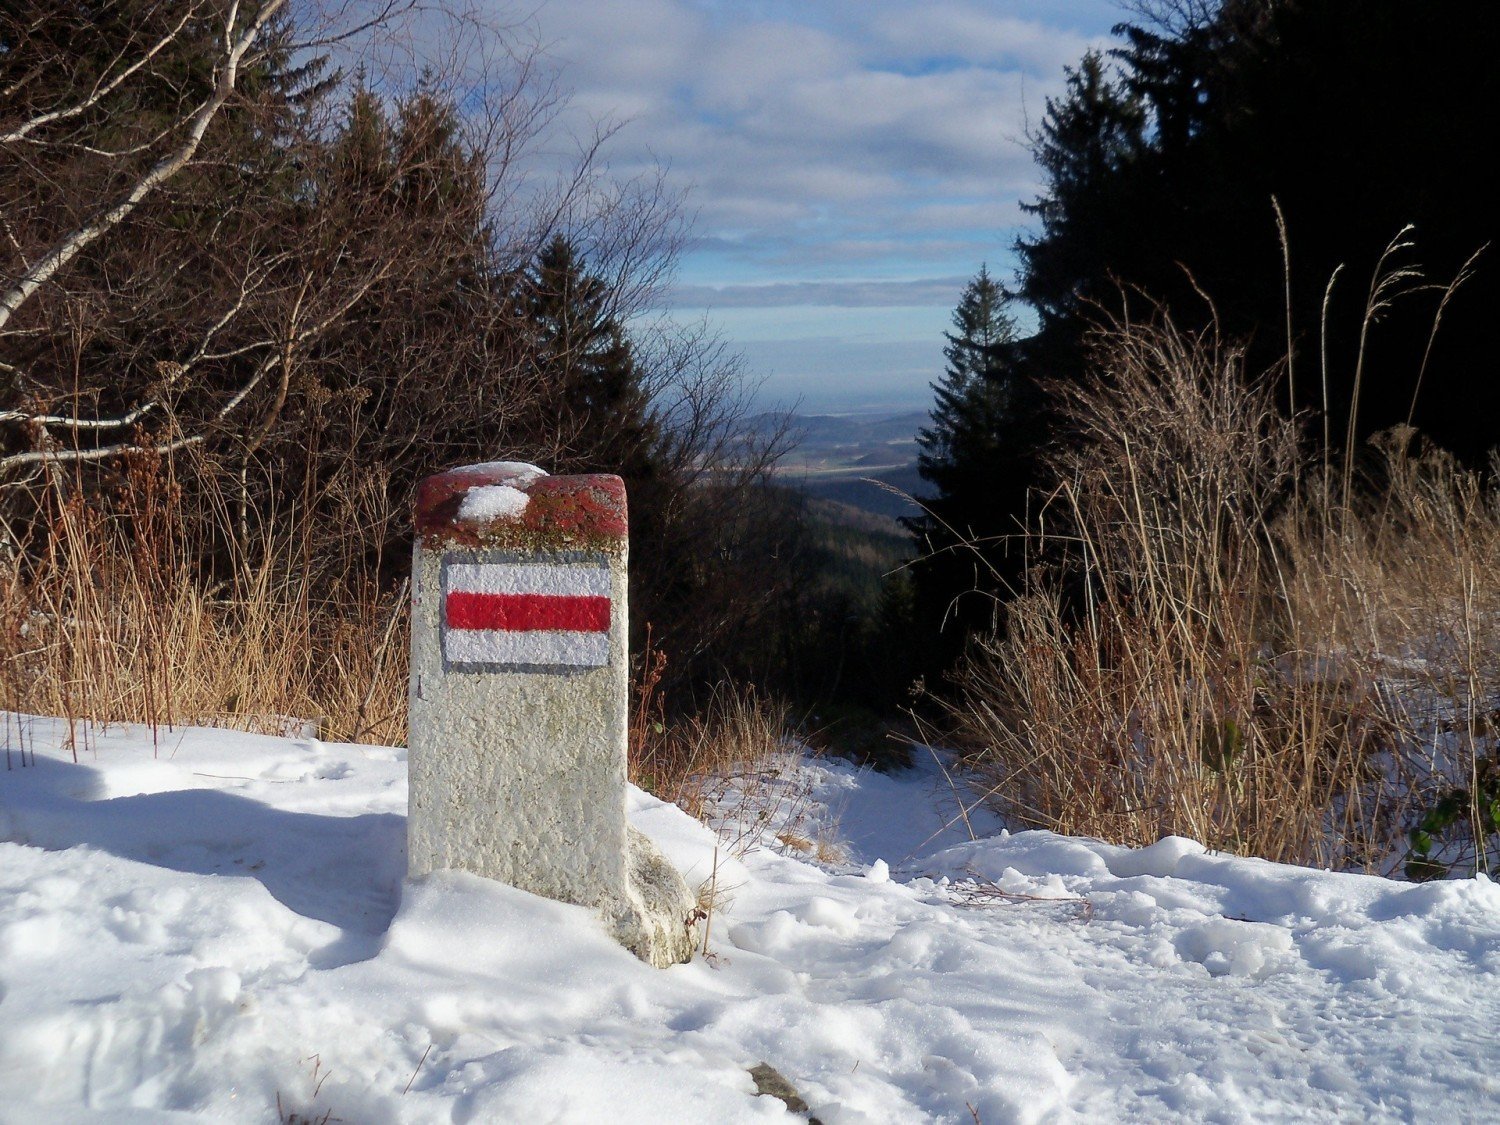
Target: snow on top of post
520,469
511,504
492,502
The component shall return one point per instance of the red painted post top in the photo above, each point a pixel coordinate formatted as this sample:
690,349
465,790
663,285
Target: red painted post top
506,504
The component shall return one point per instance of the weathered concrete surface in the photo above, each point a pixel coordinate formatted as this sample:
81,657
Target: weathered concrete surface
519,773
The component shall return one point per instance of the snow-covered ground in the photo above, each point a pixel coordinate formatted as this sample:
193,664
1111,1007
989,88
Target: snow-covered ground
214,928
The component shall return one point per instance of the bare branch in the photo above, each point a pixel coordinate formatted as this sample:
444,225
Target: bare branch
100,453
129,418
99,92
73,243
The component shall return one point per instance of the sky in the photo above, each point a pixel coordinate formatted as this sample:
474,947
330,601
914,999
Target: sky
848,166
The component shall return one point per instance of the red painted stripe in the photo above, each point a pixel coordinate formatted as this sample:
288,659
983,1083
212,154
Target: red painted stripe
526,613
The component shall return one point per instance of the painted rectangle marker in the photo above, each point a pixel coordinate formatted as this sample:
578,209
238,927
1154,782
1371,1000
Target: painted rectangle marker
526,615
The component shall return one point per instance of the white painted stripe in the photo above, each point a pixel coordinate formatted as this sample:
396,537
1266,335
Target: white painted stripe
494,646
529,578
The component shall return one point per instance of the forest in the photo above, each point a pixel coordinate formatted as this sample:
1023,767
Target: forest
1180,533
1217,532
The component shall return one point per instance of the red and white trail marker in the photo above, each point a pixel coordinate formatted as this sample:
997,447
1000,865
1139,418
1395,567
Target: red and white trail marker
520,700
526,615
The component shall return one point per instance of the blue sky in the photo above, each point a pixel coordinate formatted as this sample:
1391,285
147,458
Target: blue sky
848,165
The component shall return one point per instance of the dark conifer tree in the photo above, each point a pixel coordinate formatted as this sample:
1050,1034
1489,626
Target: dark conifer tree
1086,146
1358,117
973,398
586,361
972,456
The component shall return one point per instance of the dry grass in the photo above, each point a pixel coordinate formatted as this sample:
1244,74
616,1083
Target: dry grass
688,759
1272,657
111,619
113,616
733,764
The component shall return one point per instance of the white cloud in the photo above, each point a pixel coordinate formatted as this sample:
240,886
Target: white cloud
849,162
827,122
978,36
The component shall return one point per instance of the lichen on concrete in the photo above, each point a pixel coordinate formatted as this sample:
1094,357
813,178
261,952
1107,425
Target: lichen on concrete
562,513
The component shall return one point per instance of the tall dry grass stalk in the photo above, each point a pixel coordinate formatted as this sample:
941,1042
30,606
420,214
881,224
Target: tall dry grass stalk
1275,661
115,616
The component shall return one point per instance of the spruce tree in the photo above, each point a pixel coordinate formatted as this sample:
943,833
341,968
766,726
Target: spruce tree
970,455
972,397
1086,146
588,366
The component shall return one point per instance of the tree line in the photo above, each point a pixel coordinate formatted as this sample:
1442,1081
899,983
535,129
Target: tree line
1299,177
253,272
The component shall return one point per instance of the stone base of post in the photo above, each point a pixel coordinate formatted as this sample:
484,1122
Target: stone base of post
519,700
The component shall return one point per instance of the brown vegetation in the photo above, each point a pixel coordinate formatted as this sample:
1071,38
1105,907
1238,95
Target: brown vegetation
690,759
1276,656
114,623
246,304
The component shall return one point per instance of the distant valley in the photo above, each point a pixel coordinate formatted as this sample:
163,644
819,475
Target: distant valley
839,457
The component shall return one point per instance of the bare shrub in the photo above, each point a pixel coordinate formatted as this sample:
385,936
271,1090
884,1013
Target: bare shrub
737,735
732,762
1214,651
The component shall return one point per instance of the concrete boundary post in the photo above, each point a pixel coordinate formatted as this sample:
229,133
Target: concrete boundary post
519,699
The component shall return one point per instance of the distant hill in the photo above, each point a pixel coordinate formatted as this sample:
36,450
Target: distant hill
837,456
822,431
857,490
